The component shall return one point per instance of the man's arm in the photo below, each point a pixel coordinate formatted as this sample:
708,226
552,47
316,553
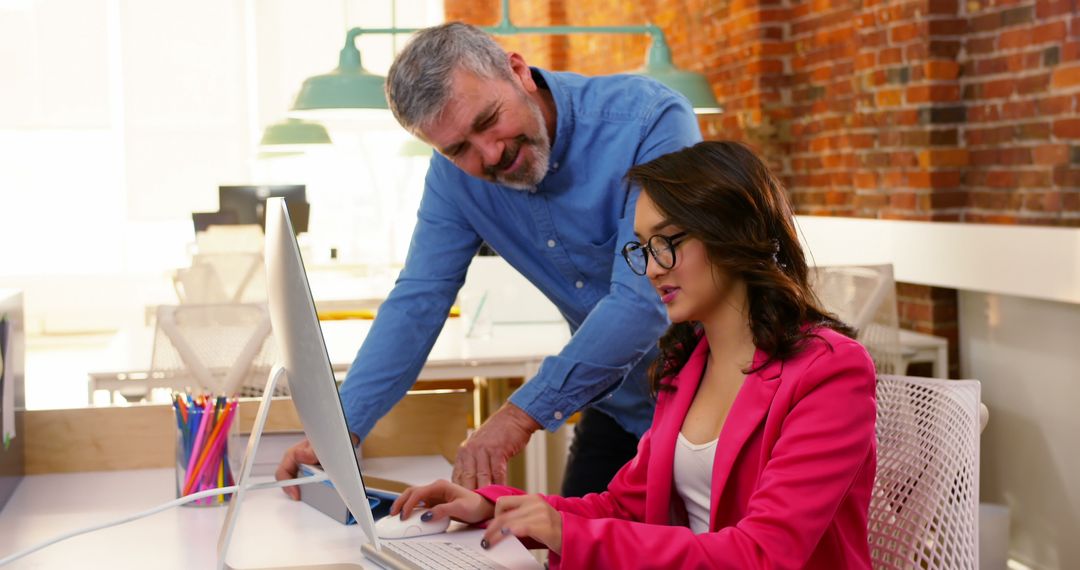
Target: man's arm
626,323
618,332
407,323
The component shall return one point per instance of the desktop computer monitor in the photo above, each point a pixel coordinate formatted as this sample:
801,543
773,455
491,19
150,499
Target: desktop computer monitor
248,203
307,365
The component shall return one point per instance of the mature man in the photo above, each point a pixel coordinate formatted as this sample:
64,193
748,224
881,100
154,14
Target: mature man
531,162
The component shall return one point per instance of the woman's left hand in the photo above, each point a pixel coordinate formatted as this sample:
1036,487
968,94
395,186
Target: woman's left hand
525,515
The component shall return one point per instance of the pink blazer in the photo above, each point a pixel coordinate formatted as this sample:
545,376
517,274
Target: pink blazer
791,482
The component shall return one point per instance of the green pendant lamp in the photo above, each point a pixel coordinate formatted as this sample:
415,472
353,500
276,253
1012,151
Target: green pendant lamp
293,132
694,86
350,86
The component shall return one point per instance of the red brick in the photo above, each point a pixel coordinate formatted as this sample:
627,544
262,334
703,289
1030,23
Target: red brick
902,200
1033,131
940,200
935,179
1018,109
941,70
1033,178
1070,51
944,7
998,88
1015,39
943,157
979,46
888,98
947,27
991,65
904,33
1065,77
932,93
985,157
1067,128
1047,8
1055,105
985,22
866,180
1051,32
1051,154
989,136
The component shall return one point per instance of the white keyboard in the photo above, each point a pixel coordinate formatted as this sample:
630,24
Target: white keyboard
429,555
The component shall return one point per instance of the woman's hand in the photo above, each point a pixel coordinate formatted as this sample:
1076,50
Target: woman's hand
525,515
444,498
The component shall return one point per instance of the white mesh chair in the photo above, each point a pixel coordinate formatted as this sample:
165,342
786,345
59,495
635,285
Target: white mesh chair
223,348
224,277
864,296
924,511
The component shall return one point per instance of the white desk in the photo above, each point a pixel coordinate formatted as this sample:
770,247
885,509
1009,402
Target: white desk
510,351
920,347
273,531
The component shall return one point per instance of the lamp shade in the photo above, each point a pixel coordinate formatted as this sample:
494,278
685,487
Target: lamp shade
692,85
293,132
350,86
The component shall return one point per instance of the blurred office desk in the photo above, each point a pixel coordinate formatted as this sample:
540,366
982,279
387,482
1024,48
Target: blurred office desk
509,350
919,347
273,531
504,351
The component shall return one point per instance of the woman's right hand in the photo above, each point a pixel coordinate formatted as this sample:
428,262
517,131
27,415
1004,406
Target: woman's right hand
444,498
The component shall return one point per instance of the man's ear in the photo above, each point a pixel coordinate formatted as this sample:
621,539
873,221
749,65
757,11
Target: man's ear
522,72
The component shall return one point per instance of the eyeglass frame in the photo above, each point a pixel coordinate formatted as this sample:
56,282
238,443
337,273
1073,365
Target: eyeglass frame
671,241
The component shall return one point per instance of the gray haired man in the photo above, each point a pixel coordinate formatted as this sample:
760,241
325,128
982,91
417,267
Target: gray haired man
532,163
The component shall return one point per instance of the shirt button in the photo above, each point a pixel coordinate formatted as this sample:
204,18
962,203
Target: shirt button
557,415
551,243
579,284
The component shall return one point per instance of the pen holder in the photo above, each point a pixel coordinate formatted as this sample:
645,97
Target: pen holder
207,446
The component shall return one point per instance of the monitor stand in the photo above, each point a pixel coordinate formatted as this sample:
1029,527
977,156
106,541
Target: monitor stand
243,484
242,481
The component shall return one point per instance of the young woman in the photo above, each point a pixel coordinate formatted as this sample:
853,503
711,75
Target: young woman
761,453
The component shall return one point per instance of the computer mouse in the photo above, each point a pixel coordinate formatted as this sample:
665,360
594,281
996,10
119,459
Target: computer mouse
393,527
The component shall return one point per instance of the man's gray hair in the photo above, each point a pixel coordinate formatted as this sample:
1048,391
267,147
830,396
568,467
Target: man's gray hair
419,83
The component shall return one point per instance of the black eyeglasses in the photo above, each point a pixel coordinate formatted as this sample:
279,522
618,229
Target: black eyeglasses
662,249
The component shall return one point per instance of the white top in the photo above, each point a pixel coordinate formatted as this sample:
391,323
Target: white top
693,480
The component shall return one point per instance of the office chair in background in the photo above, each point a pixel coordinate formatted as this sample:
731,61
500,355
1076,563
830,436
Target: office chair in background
221,348
864,296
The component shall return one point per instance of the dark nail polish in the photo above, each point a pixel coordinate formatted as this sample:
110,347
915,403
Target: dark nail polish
484,544
427,516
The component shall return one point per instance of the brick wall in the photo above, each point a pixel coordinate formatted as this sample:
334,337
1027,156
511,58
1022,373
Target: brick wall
934,110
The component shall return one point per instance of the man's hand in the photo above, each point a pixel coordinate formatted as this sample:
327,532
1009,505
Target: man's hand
290,465
481,459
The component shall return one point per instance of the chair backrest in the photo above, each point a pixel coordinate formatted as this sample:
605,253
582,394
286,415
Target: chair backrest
235,277
924,512
223,348
864,296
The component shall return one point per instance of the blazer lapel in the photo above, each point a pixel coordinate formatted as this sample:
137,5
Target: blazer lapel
662,457
746,414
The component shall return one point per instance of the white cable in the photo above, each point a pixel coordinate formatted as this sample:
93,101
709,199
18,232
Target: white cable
174,503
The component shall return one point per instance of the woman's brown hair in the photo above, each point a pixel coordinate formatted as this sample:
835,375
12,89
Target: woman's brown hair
722,194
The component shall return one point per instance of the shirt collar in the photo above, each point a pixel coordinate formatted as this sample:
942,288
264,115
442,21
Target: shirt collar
564,116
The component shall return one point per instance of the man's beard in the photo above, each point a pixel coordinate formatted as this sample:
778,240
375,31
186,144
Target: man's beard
531,172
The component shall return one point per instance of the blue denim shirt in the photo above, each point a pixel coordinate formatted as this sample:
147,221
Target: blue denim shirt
565,237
